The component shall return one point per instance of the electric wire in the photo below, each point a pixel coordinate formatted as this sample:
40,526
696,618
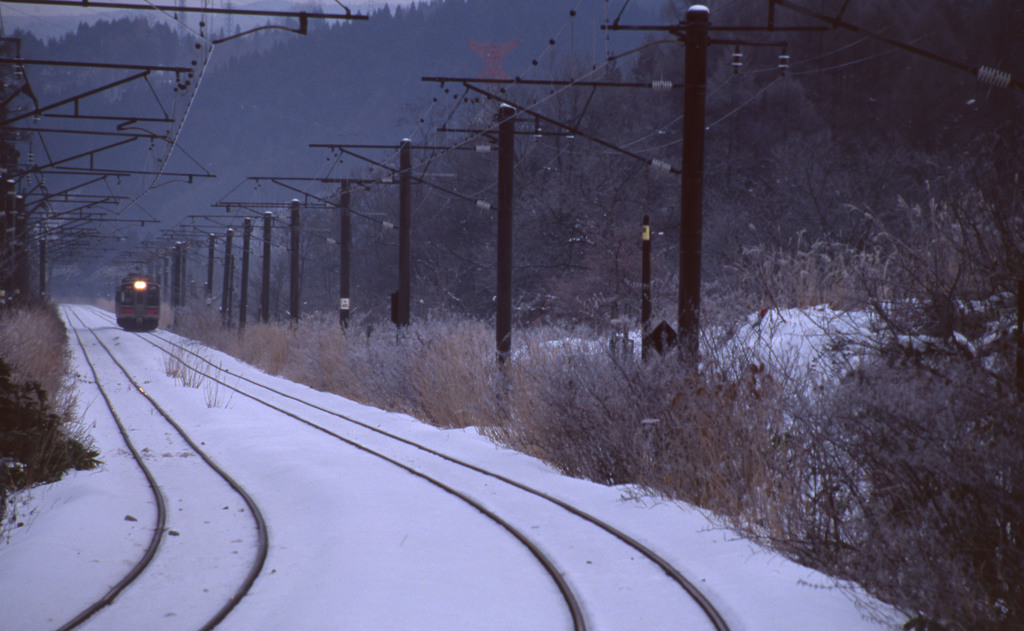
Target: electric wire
744,104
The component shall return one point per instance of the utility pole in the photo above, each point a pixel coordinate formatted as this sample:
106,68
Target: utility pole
1020,337
42,266
345,247
21,275
294,250
645,285
691,210
7,192
183,283
225,298
404,232
230,290
243,303
209,269
268,220
176,275
506,162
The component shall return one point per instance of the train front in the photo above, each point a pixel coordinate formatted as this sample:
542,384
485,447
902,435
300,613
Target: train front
137,303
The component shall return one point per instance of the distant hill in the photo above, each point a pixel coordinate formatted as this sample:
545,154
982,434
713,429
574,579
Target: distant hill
265,97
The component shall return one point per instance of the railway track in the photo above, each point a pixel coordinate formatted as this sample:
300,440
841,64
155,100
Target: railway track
571,600
160,529
712,617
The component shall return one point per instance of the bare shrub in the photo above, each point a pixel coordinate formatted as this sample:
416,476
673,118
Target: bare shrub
35,344
705,437
905,467
806,274
439,370
267,346
215,395
912,484
200,322
888,454
453,374
39,438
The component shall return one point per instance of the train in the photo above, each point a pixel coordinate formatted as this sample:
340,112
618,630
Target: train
137,303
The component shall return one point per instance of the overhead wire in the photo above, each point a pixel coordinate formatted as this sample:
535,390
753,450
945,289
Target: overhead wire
205,48
534,64
744,104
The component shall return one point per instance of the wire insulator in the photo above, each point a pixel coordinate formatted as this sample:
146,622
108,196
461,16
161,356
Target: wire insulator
661,84
482,148
482,205
994,77
387,225
783,63
737,60
661,165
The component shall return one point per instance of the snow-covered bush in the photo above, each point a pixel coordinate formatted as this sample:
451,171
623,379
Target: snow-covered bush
856,407
906,451
39,440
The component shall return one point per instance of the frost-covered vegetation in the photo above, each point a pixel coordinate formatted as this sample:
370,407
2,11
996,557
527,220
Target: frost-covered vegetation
39,437
868,423
858,404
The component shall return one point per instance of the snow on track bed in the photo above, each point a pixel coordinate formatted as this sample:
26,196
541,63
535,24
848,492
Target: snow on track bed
206,519
358,544
369,463
626,585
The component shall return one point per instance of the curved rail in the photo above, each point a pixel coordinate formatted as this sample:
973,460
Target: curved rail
705,604
161,507
262,545
575,611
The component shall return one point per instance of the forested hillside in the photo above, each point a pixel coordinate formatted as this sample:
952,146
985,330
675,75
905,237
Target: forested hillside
265,97
826,151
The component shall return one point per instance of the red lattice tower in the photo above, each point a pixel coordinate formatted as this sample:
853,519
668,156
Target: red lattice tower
493,54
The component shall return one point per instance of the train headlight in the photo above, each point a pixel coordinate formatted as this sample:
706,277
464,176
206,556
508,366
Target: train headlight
140,285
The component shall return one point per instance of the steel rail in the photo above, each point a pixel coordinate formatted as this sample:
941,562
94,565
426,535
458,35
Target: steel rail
262,544
575,611
705,604
161,505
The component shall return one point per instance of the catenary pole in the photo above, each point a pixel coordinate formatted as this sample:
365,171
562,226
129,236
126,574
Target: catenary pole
404,232
176,275
506,162
268,220
294,267
645,285
225,299
691,199
345,255
209,267
42,266
243,298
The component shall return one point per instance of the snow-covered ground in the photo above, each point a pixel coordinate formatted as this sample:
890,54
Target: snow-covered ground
356,542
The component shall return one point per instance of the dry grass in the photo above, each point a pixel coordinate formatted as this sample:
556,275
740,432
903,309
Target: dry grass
808,274
39,436
844,466
441,371
453,375
34,343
